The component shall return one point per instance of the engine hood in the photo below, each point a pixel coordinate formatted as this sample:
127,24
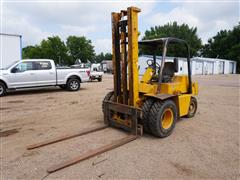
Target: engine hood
3,71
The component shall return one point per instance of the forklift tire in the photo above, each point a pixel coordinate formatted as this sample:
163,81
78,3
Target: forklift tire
109,97
192,108
146,110
99,79
2,89
162,118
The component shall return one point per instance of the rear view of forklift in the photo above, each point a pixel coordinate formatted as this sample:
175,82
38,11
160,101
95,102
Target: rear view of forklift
160,98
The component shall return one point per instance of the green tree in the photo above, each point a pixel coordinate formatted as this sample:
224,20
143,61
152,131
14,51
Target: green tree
80,48
178,31
32,52
54,48
108,56
100,57
225,45
51,48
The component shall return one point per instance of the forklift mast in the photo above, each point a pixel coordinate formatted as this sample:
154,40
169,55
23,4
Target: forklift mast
125,56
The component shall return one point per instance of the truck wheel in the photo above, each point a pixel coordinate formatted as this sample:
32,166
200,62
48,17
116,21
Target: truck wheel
73,84
109,97
146,110
99,79
192,108
2,89
162,118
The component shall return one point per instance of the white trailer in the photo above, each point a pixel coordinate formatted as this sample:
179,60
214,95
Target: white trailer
10,49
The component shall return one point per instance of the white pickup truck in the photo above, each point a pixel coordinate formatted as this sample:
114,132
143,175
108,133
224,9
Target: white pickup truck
31,73
96,72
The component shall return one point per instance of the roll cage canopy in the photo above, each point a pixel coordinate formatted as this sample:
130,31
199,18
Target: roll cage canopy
165,42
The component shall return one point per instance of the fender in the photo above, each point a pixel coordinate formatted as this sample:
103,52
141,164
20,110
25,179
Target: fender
73,74
4,80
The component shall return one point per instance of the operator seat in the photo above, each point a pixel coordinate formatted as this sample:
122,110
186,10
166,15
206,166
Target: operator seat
168,72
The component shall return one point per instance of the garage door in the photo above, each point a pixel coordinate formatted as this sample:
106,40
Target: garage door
198,67
220,67
208,68
231,65
183,68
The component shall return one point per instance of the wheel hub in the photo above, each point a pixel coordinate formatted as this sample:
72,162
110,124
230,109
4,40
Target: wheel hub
192,107
167,119
74,85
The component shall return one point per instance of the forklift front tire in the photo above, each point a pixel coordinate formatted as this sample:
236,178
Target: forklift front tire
109,97
162,118
146,110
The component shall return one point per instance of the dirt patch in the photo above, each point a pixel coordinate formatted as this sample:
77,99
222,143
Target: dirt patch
30,153
73,102
16,101
50,98
101,175
182,169
8,132
4,108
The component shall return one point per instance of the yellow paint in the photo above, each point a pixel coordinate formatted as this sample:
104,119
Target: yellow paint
115,18
147,75
167,118
179,85
132,17
184,103
195,88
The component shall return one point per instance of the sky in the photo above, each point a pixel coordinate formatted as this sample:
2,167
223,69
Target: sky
37,20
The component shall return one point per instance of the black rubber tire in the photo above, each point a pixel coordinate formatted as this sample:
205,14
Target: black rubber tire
109,97
155,115
146,110
70,87
3,89
99,79
63,87
194,103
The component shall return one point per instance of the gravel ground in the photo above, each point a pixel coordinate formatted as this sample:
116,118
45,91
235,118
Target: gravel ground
203,147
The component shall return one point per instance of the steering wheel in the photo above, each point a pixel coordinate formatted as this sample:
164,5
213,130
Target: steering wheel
150,63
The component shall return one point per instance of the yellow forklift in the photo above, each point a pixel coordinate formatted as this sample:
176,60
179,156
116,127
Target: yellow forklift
157,100
152,104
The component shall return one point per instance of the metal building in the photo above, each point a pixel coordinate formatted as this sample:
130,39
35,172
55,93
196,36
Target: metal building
206,66
10,49
200,65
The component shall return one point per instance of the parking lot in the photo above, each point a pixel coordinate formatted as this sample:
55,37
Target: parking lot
206,146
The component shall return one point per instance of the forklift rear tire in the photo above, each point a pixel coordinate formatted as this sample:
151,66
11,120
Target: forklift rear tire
192,108
146,110
99,79
109,97
162,118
